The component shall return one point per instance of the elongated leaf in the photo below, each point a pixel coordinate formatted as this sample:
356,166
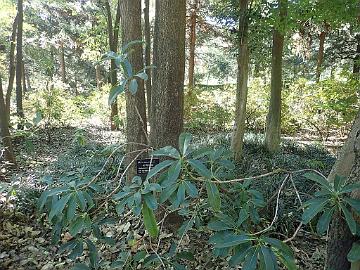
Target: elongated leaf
133,86
115,91
200,168
47,194
218,225
150,201
71,210
354,254
150,221
213,195
324,220
184,142
167,151
349,219
319,179
312,210
125,64
350,188
142,75
239,254
159,167
173,174
251,259
279,245
187,225
270,263
81,200
93,254
166,193
59,206
339,182
181,194
77,251
77,226
191,189
231,240
354,204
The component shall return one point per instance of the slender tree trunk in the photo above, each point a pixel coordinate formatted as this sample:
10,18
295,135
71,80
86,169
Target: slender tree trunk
273,123
136,127
147,30
356,68
99,78
167,101
113,32
19,59
192,45
242,82
347,165
27,79
11,67
4,128
62,62
320,58
23,78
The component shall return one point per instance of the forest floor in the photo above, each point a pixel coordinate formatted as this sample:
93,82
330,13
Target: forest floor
25,235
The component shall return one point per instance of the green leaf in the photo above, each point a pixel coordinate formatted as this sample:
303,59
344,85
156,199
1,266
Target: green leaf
93,254
150,201
231,240
268,255
318,179
80,266
114,92
167,151
191,189
77,226
81,200
251,259
186,255
350,188
150,221
213,196
312,210
59,206
184,142
187,225
355,204
71,210
133,86
349,219
125,64
354,253
173,174
243,215
158,168
181,193
77,251
218,225
339,182
279,245
121,195
45,195
324,220
200,168
239,254
166,193
142,75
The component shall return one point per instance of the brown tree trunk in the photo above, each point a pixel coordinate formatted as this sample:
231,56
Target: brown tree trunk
136,123
347,165
4,128
242,82
62,62
273,123
167,103
320,58
356,68
11,67
192,43
23,78
19,59
113,33
99,78
147,30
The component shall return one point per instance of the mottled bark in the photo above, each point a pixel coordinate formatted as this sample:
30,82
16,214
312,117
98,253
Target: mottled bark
192,43
242,82
320,57
147,32
273,122
356,68
24,86
19,59
167,103
136,122
99,77
4,129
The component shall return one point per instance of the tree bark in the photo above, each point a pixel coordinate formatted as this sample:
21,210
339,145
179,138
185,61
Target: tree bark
113,35
320,58
19,59
62,62
242,82
346,165
147,30
11,67
273,123
356,68
99,78
136,127
4,128
24,86
167,103
192,43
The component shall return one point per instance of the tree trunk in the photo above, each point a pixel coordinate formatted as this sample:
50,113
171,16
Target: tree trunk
356,68
136,127
340,237
147,30
99,78
62,62
273,123
113,34
167,104
11,67
23,78
4,128
19,59
242,82
192,43
320,58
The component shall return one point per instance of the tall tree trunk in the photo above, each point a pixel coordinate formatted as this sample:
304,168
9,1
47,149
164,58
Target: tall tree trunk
167,102
19,59
23,77
356,68
192,43
147,30
99,78
273,123
4,128
62,62
136,123
242,82
11,67
340,237
320,58
113,33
